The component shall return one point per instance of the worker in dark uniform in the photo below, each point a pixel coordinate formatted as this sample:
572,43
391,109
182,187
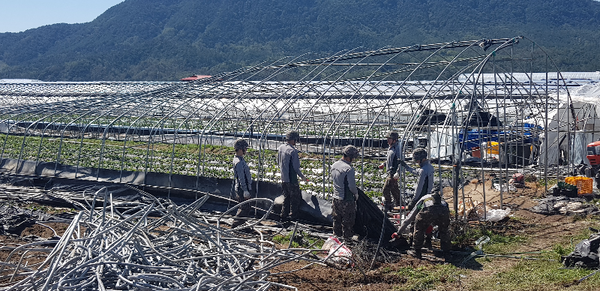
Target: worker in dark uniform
242,179
289,164
345,194
390,187
431,209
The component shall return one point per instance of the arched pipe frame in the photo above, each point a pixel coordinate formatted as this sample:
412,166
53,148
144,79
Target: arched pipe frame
456,96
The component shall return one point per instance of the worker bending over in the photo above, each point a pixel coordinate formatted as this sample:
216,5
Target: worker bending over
431,209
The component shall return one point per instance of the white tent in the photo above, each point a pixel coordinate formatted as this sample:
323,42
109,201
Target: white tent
572,127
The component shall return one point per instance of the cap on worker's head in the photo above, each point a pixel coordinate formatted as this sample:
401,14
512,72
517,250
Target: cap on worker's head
393,135
419,154
350,151
292,135
240,144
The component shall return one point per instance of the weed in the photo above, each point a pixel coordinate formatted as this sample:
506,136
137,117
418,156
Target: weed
301,240
425,278
498,244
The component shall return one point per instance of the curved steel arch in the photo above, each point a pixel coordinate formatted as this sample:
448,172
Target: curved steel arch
186,129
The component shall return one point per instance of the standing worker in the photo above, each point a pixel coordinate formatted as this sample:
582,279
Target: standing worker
345,194
242,179
390,187
425,174
431,209
289,164
424,184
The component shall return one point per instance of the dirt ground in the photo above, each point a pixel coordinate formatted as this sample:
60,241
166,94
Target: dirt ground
544,232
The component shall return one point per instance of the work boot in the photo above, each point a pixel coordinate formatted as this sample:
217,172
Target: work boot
428,243
388,207
415,253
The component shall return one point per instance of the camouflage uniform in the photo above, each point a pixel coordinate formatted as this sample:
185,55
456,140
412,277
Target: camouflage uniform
344,215
428,212
390,187
344,199
292,197
432,215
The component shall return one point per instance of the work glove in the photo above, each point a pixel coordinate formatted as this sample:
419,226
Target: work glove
246,194
356,196
394,237
396,176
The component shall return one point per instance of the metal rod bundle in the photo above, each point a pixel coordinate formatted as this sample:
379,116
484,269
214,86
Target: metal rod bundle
157,245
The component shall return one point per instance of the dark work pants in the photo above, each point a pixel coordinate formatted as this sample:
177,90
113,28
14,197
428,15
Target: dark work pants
243,211
291,199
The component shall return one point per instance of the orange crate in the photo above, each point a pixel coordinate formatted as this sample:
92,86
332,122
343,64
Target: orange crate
584,185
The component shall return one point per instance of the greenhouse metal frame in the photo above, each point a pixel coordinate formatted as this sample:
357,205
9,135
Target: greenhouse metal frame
477,106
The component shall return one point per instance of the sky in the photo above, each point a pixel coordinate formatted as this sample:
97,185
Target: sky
20,15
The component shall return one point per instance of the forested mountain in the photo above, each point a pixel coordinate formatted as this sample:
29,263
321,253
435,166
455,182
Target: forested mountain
167,40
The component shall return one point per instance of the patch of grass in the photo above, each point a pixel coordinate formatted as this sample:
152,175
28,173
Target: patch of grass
499,243
545,272
426,278
301,240
538,275
550,182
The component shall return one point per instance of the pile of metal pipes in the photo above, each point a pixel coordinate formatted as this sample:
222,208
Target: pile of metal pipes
156,245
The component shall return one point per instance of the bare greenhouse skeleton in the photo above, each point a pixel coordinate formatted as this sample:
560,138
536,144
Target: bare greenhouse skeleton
451,98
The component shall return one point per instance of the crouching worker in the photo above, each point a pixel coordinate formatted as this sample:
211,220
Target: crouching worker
345,194
431,209
242,179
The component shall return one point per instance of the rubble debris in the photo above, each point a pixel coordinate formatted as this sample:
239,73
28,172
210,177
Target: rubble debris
153,245
495,215
585,254
553,205
518,180
14,219
341,255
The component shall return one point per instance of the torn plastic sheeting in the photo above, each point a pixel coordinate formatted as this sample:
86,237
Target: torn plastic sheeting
495,215
339,255
333,245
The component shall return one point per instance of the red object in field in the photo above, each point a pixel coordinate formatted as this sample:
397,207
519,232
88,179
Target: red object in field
429,229
195,77
593,153
518,177
476,152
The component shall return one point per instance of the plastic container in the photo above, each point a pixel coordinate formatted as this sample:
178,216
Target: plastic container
584,185
493,148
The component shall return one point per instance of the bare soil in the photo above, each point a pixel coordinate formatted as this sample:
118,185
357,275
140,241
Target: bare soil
543,232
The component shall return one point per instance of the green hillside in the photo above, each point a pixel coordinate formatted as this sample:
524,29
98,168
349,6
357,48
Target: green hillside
167,40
